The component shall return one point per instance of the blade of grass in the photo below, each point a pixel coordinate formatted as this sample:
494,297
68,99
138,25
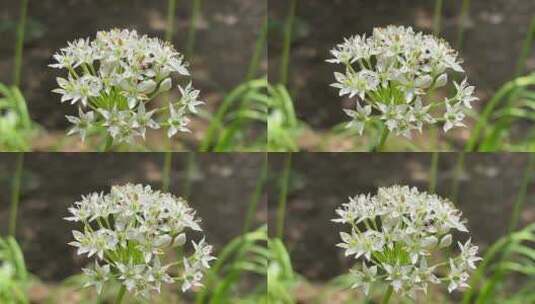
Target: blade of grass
192,33
166,173
21,28
526,49
15,194
260,48
437,18
433,172
463,21
171,13
286,46
284,184
257,195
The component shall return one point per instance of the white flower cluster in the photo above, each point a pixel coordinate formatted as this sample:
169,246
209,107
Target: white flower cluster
129,230
113,77
393,73
396,234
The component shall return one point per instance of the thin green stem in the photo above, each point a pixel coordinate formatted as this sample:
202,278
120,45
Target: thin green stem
463,20
195,13
19,46
521,197
15,194
388,295
108,144
284,183
382,140
459,167
171,12
286,46
437,19
259,50
190,170
166,174
255,199
120,295
526,49
433,172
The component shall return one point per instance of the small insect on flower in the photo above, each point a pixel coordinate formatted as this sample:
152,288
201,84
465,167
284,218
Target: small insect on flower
397,233
394,73
130,230
113,78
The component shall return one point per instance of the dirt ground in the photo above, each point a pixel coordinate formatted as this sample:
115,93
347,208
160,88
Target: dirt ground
221,187
226,35
320,182
493,39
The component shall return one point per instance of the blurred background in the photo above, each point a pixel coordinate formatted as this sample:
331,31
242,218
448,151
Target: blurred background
219,46
218,186
489,34
485,187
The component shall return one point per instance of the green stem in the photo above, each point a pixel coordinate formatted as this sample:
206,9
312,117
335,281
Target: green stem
281,211
166,175
526,49
15,194
190,170
521,198
437,19
120,295
382,140
108,144
171,9
433,173
463,20
195,13
459,167
20,42
286,46
259,50
388,295
257,194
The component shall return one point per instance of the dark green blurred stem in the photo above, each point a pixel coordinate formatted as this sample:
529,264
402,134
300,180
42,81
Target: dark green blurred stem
459,167
526,49
388,295
166,174
195,13
171,10
286,46
259,50
17,70
257,195
463,20
433,173
190,170
521,197
120,295
437,19
284,183
15,194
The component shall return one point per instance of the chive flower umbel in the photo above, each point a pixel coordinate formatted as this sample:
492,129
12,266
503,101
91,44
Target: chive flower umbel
130,230
114,77
392,75
398,234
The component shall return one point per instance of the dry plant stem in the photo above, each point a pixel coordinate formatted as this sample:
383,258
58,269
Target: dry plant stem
288,29
437,19
281,211
15,195
195,13
388,295
120,295
20,42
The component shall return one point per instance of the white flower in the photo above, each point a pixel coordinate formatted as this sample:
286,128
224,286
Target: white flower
395,71
82,123
396,231
130,230
117,75
360,117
